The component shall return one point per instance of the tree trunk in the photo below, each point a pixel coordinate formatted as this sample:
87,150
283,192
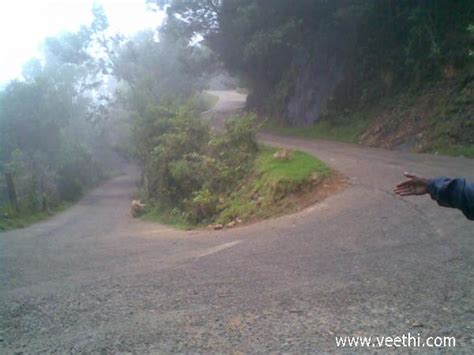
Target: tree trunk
12,195
44,203
146,187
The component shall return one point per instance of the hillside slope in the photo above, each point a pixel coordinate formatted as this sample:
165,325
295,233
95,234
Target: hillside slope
437,119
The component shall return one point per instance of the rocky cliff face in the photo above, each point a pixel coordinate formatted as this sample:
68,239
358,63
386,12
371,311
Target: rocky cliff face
316,75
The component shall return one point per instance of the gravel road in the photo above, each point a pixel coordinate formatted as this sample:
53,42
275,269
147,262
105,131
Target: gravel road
362,262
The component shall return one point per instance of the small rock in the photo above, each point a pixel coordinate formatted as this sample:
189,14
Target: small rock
215,226
283,154
254,196
231,224
316,178
137,208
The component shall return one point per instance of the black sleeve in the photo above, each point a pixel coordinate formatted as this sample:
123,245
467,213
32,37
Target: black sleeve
455,193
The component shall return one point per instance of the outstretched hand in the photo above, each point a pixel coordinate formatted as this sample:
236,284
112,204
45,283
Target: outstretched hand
416,185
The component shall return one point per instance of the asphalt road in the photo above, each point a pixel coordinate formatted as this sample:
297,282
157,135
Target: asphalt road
362,262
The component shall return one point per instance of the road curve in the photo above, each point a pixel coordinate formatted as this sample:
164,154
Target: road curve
362,262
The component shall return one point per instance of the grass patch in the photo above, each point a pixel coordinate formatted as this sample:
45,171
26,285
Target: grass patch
265,193
297,169
345,130
12,220
162,214
168,217
452,150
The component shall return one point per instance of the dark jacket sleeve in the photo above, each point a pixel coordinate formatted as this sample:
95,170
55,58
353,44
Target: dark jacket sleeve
455,193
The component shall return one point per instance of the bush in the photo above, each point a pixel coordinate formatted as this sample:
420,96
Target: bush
188,166
202,206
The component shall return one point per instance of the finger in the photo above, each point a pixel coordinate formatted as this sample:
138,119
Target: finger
405,188
409,175
405,183
403,191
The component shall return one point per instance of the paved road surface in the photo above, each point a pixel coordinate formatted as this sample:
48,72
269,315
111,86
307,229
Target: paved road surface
362,262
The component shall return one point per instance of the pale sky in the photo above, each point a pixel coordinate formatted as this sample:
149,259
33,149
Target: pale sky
25,23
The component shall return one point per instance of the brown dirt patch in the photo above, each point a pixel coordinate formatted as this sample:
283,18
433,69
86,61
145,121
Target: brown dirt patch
333,184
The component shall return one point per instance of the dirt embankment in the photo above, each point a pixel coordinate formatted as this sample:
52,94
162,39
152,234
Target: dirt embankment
437,119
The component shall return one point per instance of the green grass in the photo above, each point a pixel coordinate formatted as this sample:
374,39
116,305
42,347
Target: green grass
162,215
452,150
264,193
347,130
168,217
22,219
297,169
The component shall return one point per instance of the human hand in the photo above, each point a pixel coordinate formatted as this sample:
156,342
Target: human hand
416,185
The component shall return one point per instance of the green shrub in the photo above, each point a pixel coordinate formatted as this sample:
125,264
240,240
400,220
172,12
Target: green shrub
187,165
202,206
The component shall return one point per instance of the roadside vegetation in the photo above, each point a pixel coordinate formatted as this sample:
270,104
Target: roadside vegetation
273,186
196,176
246,184
347,129
187,166
13,219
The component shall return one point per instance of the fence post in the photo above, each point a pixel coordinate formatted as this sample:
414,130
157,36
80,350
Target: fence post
11,190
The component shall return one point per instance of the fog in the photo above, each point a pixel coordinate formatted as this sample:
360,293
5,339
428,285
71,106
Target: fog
25,24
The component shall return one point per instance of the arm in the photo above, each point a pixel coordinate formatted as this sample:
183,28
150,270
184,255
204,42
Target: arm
455,193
